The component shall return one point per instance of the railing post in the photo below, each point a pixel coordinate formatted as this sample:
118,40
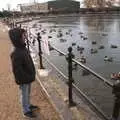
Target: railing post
116,108
28,47
69,59
20,26
40,51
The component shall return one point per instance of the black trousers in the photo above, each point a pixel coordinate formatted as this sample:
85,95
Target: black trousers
116,108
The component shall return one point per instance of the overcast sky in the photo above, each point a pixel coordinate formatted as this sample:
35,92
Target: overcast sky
13,3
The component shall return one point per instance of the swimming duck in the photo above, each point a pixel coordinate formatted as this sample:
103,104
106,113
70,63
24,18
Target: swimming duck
49,36
80,33
104,34
67,33
82,36
80,48
63,40
43,32
82,59
52,30
73,44
59,35
101,47
59,30
94,51
109,59
85,38
81,51
113,46
94,42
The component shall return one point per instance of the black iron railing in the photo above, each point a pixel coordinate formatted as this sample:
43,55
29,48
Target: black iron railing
70,59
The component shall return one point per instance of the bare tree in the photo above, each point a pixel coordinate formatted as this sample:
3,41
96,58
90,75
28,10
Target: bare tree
109,4
101,3
88,3
94,3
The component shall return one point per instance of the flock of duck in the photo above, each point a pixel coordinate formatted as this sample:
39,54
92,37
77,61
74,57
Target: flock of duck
60,35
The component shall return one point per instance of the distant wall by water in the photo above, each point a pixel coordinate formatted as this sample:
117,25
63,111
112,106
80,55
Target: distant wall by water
113,10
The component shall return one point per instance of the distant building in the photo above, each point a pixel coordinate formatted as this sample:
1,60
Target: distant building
58,5
35,7
64,5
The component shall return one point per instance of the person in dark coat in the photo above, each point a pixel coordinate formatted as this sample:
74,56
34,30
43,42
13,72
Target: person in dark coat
23,69
116,107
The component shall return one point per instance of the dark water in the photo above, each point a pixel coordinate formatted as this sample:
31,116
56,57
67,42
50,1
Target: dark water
105,30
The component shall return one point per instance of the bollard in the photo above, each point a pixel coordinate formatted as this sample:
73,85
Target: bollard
69,59
116,108
40,51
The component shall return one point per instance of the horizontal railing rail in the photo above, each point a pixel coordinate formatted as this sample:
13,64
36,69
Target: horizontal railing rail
94,73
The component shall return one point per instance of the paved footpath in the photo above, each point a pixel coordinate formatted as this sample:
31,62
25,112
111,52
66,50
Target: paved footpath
10,108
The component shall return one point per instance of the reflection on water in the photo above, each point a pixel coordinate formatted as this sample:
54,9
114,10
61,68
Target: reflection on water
101,30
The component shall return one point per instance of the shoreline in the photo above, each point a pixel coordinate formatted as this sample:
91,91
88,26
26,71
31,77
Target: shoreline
23,20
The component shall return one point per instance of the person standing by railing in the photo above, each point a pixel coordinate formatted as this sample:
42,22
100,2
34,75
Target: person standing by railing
116,109
23,69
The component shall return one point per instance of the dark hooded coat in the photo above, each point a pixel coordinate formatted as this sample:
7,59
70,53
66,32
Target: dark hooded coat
22,64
